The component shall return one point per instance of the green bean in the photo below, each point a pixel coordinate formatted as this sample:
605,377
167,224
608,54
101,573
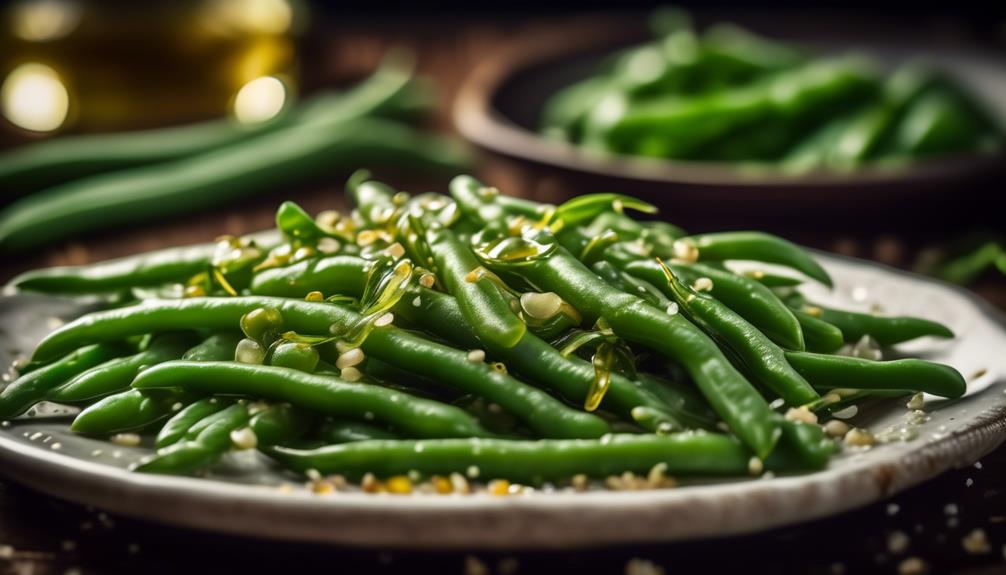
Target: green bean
754,302
886,330
490,316
349,431
835,371
176,428
280,423
765,360
809,442
388,91
147,269
820,336
217,347
22,393
330,275
693,453
116,374
327,394
757,246
733,398
199,450
132,410
216,177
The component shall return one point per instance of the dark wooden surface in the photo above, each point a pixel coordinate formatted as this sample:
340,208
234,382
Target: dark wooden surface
40,535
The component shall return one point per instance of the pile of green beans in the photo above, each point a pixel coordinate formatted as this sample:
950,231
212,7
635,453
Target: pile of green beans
78,184
437,334
727,95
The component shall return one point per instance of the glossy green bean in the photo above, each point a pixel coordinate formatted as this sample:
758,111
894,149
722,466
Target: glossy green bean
200,450
176,428
348,431
693,453
116,374
132,410
22,393
217,347
820,336
331,275
886,330
734,399
751,300
763,358
758,246
172,265
279,424
326,394
836,371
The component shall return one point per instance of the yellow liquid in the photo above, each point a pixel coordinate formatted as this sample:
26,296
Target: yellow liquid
85,66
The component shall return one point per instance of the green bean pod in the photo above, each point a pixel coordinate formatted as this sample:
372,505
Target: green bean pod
172,265
758,246
820,336
176,428
202,449
751,300
734,399
836,371
765,360
280,424
349,431
691,454
132,410
326,394
116,374
885,330
22,393
161,190
330,275
217,347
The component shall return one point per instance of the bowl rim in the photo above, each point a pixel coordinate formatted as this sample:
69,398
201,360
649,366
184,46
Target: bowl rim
478,120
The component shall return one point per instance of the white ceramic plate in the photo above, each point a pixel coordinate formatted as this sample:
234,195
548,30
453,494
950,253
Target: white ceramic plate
242,496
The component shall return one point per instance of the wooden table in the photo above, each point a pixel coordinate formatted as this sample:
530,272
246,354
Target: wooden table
39,535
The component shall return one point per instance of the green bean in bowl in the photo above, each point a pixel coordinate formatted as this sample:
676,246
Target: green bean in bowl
728,95
428,342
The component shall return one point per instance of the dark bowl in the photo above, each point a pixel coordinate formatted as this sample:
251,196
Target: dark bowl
498,109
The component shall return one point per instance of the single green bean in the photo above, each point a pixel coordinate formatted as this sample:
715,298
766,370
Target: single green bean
836,371
692,453
757,246
820,336
132,410
202,450
886,330
217,347
349,431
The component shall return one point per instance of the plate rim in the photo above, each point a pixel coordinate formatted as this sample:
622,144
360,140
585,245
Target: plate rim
358,519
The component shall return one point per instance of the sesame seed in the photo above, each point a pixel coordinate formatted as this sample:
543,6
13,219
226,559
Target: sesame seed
56,446
351,374
672,308
472,472
244,438
350,358
847,413
395,250
703,284
755,466
836,428
857,437
384,320
801,414
126,439
916,402
427,280
476,356
418,301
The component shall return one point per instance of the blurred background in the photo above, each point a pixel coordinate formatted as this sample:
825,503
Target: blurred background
208,86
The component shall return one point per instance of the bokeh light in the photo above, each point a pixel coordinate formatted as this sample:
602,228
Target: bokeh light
33,97
259,100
